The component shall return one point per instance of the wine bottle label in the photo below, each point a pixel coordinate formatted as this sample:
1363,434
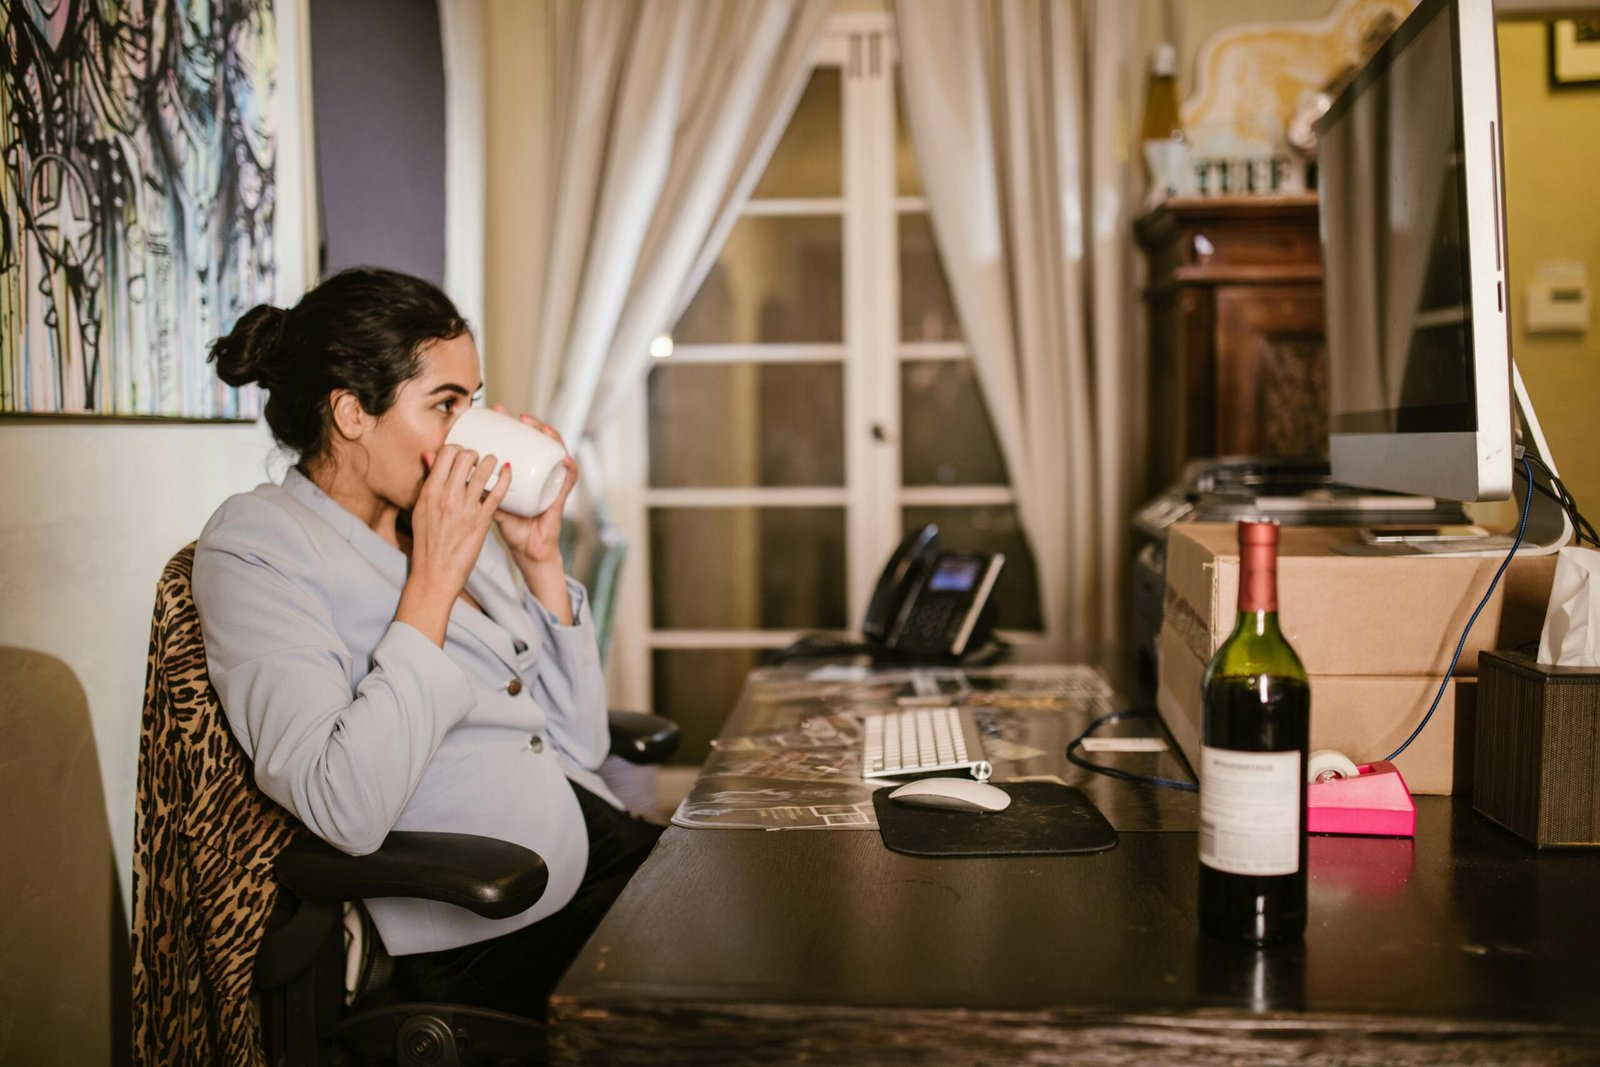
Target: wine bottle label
1250,811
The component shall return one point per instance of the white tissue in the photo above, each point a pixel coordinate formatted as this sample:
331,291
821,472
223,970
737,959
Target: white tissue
1571,635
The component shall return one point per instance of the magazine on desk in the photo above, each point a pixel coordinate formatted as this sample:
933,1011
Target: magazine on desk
796,761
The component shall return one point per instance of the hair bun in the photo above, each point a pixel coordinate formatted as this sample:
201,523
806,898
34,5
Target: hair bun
249,352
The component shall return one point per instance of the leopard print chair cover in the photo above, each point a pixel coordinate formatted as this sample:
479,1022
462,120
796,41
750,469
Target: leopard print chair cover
205,838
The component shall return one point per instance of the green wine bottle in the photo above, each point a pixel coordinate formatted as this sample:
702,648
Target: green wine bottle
1254,745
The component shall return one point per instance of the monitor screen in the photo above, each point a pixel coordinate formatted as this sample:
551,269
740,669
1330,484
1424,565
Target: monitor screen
1410,200
1401,321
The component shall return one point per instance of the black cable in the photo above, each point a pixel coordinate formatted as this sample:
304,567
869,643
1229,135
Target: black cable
1563,496
1522,528
1583,529
822,645
1118,772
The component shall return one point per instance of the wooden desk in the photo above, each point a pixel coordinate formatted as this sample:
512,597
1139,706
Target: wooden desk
822,947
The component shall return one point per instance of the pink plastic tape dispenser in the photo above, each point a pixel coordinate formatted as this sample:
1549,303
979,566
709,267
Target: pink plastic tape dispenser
1372,801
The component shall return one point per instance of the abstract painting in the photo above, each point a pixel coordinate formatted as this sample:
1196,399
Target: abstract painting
136,203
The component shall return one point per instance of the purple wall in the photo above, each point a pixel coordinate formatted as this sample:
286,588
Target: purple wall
377,69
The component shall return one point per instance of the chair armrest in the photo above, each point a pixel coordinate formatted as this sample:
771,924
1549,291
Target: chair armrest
641,738
493,878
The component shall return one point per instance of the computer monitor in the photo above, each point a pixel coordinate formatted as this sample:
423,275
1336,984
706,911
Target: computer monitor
1412,198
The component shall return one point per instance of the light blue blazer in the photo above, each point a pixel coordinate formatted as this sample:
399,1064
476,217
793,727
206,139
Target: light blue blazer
359,724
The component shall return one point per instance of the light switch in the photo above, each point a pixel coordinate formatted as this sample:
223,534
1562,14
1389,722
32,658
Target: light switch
1558,297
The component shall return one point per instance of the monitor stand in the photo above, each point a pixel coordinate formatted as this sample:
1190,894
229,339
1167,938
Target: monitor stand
1549,527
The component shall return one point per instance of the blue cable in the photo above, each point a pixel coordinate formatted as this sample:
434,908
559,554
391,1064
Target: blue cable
1522,528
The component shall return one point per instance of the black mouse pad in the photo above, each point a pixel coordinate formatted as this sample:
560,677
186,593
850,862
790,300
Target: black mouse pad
1043,819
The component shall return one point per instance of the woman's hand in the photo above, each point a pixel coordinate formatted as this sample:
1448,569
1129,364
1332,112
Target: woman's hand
535,543
448,524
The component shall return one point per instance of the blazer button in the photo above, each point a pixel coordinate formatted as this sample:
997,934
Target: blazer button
536,743
514,686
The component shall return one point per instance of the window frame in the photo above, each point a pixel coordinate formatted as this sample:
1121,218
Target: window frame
862,46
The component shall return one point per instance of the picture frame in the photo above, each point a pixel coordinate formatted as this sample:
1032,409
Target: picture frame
137,199
1575,53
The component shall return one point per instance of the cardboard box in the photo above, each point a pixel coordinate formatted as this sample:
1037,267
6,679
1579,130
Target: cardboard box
1356,615
1364,716
1375,633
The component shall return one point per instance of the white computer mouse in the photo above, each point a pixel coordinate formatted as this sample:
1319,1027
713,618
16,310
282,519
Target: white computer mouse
952,794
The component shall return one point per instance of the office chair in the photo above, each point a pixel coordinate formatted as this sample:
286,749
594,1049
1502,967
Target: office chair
594,548
239,912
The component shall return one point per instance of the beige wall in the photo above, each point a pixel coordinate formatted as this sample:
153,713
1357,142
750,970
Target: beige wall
92,511
1552,159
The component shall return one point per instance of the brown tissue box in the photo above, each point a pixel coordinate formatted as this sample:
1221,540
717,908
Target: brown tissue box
1537,753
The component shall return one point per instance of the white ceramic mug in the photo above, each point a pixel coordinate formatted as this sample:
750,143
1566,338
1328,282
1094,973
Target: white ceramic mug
536,470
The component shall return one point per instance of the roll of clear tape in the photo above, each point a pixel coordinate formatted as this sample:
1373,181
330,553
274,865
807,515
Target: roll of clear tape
1326,764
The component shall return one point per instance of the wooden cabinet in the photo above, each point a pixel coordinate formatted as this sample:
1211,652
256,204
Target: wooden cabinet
1238,363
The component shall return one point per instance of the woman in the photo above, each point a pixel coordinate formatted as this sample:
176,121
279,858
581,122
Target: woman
387,665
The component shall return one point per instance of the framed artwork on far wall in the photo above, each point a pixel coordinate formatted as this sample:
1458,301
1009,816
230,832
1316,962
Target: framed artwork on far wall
137,162
1575,53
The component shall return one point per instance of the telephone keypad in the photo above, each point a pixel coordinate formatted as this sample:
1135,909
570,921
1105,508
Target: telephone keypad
935,622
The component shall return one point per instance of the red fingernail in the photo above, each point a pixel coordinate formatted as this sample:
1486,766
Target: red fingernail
506,467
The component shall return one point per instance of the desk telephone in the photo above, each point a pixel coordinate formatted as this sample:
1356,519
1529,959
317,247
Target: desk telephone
932,603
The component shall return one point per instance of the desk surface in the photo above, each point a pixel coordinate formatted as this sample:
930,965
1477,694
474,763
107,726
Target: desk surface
742,946
790,754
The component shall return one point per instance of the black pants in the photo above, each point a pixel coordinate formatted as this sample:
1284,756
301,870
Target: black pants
518,971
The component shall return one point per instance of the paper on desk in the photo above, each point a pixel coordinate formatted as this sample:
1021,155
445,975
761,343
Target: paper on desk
838,672
1571,636
998,748
1124,744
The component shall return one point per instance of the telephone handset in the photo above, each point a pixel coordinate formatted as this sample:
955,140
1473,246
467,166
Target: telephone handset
896,581
932,603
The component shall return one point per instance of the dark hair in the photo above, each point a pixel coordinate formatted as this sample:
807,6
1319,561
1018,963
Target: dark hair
361,330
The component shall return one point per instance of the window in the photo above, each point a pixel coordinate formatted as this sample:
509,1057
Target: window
819,400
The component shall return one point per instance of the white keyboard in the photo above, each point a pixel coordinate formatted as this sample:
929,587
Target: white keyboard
918,741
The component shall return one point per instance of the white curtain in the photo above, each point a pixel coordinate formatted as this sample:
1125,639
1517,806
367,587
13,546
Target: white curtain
1017,110
463,34
663,115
